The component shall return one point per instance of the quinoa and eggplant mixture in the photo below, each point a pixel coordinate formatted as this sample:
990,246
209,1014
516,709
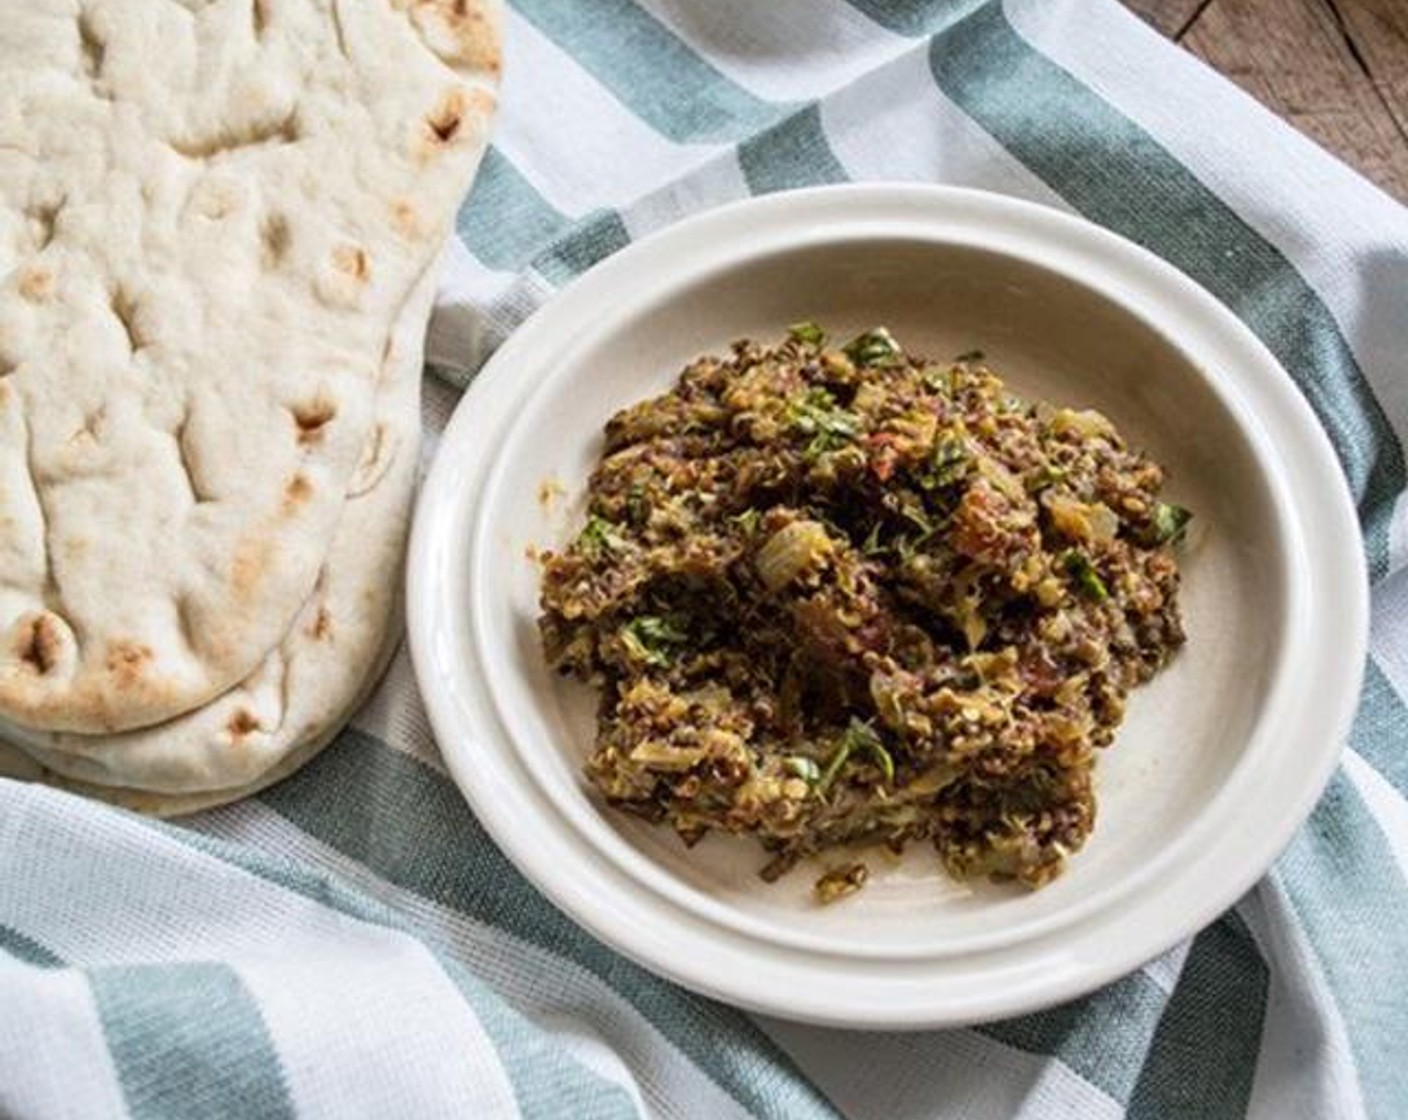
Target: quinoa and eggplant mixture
845,595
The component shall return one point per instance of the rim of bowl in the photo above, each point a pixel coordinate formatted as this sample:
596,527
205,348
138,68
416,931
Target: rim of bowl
447,536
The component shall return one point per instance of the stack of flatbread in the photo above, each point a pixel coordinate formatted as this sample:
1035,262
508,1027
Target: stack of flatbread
219,228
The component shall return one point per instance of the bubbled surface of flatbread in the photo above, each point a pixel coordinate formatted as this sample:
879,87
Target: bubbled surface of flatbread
211,217
309,684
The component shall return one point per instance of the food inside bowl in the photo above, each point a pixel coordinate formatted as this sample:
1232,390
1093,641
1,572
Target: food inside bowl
841,596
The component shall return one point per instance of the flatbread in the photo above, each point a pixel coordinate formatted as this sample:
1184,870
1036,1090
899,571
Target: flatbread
211,217
310,683
16,764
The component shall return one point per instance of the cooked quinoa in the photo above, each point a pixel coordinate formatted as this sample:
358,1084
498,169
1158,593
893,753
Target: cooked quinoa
852,596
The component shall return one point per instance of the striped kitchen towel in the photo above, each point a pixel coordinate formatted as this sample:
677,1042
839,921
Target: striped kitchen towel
350,943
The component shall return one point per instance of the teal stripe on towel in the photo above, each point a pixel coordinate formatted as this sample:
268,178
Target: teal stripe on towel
1380,732
188,1042
913,17
505,222
792,153
1203,1057
651,70
1352,901
1103,1037
26,949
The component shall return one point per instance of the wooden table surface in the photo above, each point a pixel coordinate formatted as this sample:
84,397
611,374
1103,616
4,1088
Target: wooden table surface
1336,69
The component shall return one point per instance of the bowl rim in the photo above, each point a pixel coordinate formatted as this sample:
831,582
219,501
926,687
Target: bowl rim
464,708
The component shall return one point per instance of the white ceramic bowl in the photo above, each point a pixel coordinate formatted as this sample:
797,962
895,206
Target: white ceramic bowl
1220,758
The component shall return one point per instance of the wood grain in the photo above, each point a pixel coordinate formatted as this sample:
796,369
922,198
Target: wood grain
1296,57
1378,30
1169,16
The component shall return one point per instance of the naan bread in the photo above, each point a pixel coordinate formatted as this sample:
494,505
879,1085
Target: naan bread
16,764
211,216
311,682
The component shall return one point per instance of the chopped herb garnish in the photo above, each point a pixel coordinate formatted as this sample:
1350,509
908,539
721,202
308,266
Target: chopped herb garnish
873,348
871,546
939,379
946,464
652,639
806,407
637,505
1046,476
834,763
815,413
1079,567
883,760
597,536
914,512
807,333
826,441
1169,523
748,519
800,766
859,738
